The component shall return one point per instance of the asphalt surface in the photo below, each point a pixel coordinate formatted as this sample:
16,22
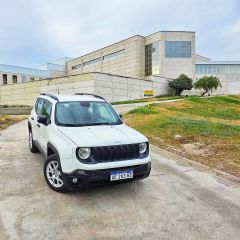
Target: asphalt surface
177,201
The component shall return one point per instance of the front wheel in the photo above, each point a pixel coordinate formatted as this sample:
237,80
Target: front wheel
52,174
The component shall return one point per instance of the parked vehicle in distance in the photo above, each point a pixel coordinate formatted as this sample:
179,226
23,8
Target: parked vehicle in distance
85,142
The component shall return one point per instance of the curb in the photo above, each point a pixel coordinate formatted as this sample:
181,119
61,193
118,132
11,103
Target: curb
185,161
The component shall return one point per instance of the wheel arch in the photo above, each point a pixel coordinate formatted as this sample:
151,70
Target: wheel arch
29,125
52,150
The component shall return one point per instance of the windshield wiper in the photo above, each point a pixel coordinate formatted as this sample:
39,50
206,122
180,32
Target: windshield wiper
68,125
103,123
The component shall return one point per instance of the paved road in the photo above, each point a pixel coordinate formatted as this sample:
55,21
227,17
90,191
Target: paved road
175,202
123,108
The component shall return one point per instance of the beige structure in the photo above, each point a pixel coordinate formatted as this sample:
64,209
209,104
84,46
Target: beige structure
13,74
133,56
112,87
125,58
120,71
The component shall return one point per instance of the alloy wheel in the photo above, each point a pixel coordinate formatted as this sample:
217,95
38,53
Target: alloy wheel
53,174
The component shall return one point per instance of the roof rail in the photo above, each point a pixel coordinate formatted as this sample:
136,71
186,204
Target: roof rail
89,94
50,95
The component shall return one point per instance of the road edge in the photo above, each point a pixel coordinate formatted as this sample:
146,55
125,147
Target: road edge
185,161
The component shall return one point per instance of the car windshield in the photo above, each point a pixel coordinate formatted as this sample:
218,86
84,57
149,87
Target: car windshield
86,113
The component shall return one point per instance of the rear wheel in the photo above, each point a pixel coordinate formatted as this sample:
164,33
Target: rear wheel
32,146
52,174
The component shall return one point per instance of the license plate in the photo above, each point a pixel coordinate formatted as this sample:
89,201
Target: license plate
119,175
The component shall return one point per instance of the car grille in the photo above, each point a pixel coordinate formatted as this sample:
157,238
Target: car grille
115,153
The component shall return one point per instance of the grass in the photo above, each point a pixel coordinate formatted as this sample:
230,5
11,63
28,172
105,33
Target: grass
206,130
160,98
8,120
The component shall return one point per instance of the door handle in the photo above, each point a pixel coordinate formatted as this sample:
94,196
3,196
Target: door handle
38,125
32,118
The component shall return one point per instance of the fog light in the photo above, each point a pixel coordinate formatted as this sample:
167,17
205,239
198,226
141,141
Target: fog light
74,180
81,172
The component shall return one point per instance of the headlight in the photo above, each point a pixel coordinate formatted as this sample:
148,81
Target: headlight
142,148
84,152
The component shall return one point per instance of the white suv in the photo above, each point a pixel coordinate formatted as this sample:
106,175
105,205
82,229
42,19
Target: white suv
85,142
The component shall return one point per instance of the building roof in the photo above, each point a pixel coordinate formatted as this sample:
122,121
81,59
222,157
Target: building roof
137,35
219,63
23,70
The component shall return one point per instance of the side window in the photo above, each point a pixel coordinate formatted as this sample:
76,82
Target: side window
39,106
47,109
105,114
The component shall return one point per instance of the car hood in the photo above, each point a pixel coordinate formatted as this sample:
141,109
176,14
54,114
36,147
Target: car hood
92,136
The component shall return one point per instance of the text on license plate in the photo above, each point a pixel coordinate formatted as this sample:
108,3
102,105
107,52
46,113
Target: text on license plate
119,175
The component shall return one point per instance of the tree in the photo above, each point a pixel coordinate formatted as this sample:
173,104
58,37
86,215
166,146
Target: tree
183,82
207,83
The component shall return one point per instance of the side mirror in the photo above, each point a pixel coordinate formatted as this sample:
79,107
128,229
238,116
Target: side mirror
121,116
43,119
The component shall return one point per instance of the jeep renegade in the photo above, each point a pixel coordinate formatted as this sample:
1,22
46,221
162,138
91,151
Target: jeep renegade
85,142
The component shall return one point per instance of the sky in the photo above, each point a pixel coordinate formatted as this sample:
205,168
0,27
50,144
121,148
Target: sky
34,32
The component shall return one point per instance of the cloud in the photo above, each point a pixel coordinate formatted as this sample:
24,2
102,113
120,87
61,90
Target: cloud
230,38
35,32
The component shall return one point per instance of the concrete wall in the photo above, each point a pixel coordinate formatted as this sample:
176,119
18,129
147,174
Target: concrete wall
130,63
26,93
230,83
112,87
173,67
116,88
19,78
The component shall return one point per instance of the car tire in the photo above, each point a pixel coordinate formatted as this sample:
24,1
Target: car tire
53,174
32,146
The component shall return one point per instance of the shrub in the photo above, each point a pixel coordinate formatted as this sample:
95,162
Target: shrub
207,84
183,82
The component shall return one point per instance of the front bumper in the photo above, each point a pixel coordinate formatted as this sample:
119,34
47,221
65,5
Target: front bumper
86,178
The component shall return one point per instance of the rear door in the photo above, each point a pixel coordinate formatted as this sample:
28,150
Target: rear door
35,112
42,129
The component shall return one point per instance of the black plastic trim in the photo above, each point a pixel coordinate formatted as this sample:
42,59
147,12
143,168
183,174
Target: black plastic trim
89,94
87,178
112,156
50,95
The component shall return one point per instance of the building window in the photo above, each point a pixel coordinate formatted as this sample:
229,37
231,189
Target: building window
4,79
92,61
14,77
77,66
217,68
178,49
152,58
114,54
32,78
24,78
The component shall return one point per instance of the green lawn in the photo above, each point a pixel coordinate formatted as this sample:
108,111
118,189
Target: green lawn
160,98
206,130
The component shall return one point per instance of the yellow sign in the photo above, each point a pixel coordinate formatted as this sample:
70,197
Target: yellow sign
148,93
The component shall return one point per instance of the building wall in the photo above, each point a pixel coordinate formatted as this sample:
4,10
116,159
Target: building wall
173,67
26,93
132,62
20,78
112,87
129,62
230,83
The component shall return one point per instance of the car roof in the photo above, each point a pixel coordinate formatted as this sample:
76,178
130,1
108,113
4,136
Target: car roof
68,98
